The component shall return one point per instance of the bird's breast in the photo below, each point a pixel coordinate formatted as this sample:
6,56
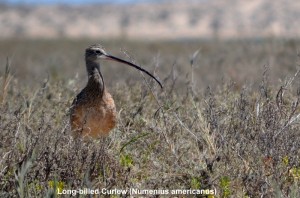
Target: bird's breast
94,117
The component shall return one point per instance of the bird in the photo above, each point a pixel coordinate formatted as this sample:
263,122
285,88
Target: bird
93,111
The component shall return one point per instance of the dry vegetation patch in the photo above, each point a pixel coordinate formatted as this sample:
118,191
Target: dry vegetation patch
243,139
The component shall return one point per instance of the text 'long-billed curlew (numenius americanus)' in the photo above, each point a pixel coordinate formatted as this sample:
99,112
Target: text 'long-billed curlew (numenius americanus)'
93,111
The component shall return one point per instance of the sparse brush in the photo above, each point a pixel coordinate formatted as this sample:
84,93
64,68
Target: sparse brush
242,140
6,78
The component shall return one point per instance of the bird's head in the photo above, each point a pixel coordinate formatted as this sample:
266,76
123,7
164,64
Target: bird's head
96,52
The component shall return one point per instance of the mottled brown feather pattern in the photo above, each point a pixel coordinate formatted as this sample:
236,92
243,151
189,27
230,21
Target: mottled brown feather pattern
93,116
93,112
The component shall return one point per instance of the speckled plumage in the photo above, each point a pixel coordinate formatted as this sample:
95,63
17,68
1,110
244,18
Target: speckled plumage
92,115
93,111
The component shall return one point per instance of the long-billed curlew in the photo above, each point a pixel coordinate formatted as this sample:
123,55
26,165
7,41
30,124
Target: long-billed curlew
93,111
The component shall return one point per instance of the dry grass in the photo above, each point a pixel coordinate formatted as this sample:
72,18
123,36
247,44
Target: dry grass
232,126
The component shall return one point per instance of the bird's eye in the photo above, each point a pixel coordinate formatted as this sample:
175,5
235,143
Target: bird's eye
98,51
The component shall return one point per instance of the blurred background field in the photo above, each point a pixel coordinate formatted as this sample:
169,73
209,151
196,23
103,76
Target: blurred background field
227,118
150,20
240,61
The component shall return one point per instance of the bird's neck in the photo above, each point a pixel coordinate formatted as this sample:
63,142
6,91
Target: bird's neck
95,81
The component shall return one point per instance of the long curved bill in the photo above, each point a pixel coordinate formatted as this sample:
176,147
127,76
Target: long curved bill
113,58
